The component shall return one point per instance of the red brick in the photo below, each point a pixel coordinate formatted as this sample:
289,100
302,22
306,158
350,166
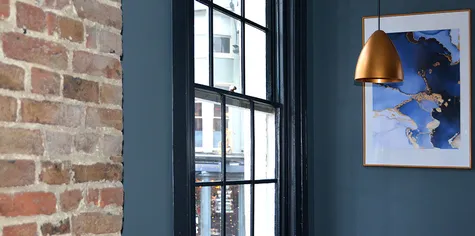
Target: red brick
16,173
91,38
86,142
97,65
110,42
20,141
7,108
79,89
97,172
20,230
11,77
51,113
4,9
96,223
61,227
112,196
65,27
111,94
56,4
70,200
102,117
27,204
95,11
93,196
45,82
20,47
30,17
55,173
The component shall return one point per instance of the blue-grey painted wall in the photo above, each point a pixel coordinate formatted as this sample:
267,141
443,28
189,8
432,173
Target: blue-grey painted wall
347,199
147,36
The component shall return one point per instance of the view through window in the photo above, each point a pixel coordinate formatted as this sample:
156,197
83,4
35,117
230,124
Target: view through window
236,148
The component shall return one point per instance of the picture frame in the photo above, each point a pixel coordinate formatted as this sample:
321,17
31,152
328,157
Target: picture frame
425,121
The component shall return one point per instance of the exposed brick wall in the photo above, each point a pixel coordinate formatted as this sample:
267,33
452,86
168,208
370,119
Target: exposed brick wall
60,117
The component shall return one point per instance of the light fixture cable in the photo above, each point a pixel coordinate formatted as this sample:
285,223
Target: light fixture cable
379,14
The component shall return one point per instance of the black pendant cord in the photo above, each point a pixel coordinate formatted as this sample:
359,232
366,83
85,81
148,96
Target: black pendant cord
379,14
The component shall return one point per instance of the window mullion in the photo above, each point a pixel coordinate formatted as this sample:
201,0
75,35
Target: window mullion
211,44
253,166
223,167
243,49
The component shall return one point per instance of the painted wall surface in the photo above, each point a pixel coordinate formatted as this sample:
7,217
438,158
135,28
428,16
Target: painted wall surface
148,208
347,199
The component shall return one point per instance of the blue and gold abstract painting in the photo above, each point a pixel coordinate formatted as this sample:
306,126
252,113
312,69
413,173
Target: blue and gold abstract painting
423,112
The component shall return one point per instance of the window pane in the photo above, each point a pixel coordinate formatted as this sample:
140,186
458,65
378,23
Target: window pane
208,158
256,81
238,218
208,215
227,60
256,11
201,44
230,5
264,209
265,144
238,139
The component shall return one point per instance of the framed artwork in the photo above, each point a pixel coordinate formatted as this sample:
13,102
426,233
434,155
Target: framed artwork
424,121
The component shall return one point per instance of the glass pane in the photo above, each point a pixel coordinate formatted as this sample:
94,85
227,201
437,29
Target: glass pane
208,211
238,210
238,140
226,52
265,144
230,5
256,11
208,158
201,44
264,209
256,81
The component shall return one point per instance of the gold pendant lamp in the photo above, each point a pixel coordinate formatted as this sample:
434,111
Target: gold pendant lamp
379,60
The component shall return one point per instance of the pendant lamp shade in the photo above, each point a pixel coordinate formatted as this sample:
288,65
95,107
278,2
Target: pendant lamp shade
379,61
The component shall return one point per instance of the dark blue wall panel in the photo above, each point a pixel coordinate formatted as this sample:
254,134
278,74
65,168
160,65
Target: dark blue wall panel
347,199
147,36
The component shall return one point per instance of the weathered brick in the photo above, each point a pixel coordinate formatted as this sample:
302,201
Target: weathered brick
58,143
91,37
24,48
56,4
112,196
65,27
112,145
93,196
16,173
45,82
7,108
55,173
111,94
96,223
4,9
86,142
101,117
51,113
28,229
97,65
27,204
57,228
97,172
11,77
95,11
70,200
110,42
30,17
20,141
117,159
79,89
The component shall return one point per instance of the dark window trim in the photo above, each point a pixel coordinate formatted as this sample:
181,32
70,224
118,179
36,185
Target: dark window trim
291,51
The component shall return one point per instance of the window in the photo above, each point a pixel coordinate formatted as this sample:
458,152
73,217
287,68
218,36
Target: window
221,44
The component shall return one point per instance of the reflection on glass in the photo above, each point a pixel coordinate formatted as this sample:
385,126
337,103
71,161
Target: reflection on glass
238,141
226,52
264,209
255,10
238,210
208,211
256,81
230,5
265,144
208,158
201,44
